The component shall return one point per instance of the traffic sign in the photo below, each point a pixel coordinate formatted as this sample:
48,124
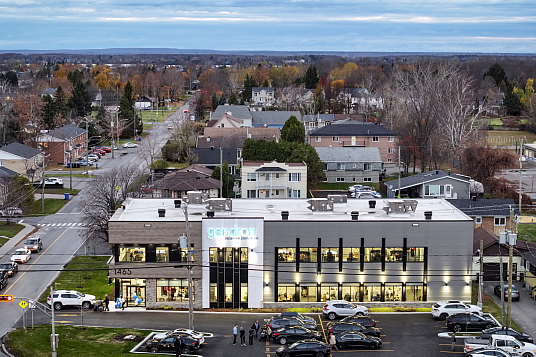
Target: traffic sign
23,304
8,298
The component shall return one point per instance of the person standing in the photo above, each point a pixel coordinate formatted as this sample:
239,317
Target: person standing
106,303
333,342
235,333
251,335
268,333
256,327
453,340
242,337
178,346
122,302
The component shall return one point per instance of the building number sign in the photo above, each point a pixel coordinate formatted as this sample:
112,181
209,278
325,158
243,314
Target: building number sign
123,271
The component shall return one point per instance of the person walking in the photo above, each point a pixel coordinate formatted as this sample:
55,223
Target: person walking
333,342
106,303
251,335
256,327
178,344
453,340
268,333
242,337
235,333
122,302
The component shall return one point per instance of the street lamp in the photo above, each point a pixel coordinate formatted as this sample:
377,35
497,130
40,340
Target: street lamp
185,241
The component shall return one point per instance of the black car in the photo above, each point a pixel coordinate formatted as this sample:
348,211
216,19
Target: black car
515,292
304,348
167,344
338,327
10,268
3,280
366,321
298,316
357,340
279,322
521,336
468,322
294,333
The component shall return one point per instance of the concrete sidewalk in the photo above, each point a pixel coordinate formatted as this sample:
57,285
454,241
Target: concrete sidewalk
12,243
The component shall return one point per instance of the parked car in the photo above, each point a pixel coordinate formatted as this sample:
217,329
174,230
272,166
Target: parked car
129,145
167,344
11,212
64,298
10,268
297,315
21,255
294,333
182,332
84,162
277,322
443,309
357,340
334,308
467,321
105,148
339,327
354,187
366,321
515,293
34,244
488,351
372,195
504,342
520,336
304,348
94,157
100,151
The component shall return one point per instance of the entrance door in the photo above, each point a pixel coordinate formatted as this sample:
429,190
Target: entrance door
134,293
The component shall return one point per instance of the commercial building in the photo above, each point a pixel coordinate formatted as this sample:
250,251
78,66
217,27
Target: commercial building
291,252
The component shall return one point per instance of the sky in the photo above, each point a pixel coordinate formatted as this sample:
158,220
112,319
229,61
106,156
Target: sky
467,26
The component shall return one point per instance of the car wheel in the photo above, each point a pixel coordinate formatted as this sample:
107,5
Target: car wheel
527,354
360,314
86,305
186,350
372,346
285,354
332,316
320,354
457,328
57,306
340,346
283,341
442,317
154,349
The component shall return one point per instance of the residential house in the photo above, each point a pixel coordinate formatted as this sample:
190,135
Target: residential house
48,91
264,179
432,184
63,144
240,112
351,133
273,119
192,178
227,120
491,214
354,165
316,121
213,157
24,160
143,103
218,137
262,96
237,116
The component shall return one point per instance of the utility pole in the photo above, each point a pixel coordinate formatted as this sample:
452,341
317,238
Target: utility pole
481,275
43,185
221,174
53,339
87,148
189,266
520,173
399,171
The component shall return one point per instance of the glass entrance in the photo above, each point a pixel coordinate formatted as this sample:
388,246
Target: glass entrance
133,291
229,277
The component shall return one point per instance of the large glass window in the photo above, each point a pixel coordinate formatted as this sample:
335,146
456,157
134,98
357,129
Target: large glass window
415,255
131,254
308,292
341,166
329,292
228,292
393,254
213,292
294,176
330,255
308,255
350,292
373,255
286,255
252,177
244,292
372,292
172,290
286,292
296,193
434,190
414,292
162,254
393,292
350,254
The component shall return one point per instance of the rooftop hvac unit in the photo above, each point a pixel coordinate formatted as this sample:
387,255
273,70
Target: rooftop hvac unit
220,204
320,205
338,198
196,197
401,206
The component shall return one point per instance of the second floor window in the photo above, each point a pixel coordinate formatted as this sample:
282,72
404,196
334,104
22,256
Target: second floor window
341,166
252,177
375,139
367,167
335,138
294,177
500,221
391,139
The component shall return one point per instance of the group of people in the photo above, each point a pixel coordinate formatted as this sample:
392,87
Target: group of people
253,333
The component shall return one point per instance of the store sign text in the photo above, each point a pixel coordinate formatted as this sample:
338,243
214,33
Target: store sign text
234,233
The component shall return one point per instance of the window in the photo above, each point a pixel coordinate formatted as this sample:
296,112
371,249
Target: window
294,177
390,150
213,292
296,193
341,166
244,292
276,193
367,166
478,220
354,166
335,139
325,167
286,292
372,292
350,292
434,190
131,254
375,139
308,292
373,255
367,179
500,221
276,175
393,254
162,254
350,255
251,177
340,179
318,138
391,139
414,292
286,255
393,292
415,255
172,290
329,292
389,160
308,255
252,193
330,255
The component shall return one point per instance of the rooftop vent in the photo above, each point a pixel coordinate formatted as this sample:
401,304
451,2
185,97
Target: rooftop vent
177,203
428,215
210,214
355,215
220,204
284,215
372,204
161,212
320,205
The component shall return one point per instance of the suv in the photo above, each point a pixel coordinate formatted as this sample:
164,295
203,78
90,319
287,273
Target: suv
278,322
335,308
33,244
515,292
71,298
443,309
10,268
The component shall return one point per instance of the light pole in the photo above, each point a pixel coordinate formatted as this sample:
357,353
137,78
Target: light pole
43,183
53,339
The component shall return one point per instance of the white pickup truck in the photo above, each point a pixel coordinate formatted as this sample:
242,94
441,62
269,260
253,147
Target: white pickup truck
504,342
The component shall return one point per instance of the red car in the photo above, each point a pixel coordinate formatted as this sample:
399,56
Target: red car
105,148
99,151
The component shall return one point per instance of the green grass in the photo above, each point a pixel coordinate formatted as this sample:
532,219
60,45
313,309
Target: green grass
87,274
10,231
58,191
495,121
527,232
74,342
489,305
160,116
52,205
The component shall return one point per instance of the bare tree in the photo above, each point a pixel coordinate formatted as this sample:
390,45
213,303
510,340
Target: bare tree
150,149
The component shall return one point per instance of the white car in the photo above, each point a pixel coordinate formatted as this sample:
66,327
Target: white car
93,157
334,308
442,309
11,212
21,255
129,145
182,331
53,181
71,298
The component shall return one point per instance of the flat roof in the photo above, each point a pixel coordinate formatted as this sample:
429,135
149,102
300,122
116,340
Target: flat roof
146,209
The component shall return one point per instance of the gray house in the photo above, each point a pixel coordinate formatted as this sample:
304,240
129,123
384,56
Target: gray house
356,165
432,184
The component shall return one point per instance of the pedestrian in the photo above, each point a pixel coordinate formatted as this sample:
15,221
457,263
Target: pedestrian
178,346
122,302
256,327
453,340
242,337
251,335
333,342
268,333
106,302
235,333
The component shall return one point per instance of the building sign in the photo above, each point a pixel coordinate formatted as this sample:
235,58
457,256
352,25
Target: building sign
233,232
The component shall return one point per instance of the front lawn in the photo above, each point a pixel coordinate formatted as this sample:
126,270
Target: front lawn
52,205
9,230
527,232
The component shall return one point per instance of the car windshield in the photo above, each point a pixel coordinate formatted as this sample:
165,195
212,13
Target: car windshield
31,241
20,252
295,344
5,266
80,294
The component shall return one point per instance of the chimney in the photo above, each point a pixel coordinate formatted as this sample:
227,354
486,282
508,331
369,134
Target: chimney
428,215
437,172
284,215
449,172
372,204
210,214
161,212
177,203
355,215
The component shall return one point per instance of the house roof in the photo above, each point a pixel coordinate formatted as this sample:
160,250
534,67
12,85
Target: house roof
211,157
425,177
352,154
352,128
199,169
21,150
67,132
258,89
259,163
7,173
271,169
237,111
273,117
485,207
480,234
319,117
186,181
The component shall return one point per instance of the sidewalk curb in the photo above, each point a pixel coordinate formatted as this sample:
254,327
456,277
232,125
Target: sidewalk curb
12,242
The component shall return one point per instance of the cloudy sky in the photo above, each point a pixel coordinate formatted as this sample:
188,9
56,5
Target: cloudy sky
278,25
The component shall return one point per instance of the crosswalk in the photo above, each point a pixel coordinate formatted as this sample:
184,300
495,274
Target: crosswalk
60,225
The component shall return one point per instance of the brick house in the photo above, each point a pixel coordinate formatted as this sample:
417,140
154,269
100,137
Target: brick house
63,144
492,214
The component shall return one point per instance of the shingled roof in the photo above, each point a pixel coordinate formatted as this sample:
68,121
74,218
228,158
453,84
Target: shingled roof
425,177
352,128
485,207
211,157
67,132
186,181
21,150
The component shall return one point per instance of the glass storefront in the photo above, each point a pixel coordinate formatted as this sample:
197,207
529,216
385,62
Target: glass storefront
308,293
133,291
172,290
131,254
350,292
286,292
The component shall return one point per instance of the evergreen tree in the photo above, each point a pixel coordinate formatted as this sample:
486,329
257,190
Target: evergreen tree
512,102
266,83
214,101
60,103
249,83
222,99
497,73
293,130
48,112
233,99
127,114
80,100
227,180
310,79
